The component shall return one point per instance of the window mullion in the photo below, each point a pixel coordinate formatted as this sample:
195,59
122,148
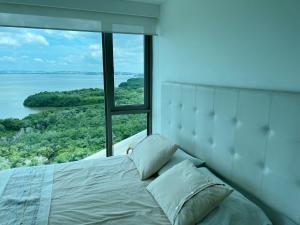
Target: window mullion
148,79
108,72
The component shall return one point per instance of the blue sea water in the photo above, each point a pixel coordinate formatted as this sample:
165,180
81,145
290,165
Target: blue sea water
15,88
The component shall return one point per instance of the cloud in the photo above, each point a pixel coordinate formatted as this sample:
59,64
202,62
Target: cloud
129,53
38,60
96,54
94,47
130,59
17,39
95,51
71,34
35,38
7,40
66,50
7,59
132,55
50,61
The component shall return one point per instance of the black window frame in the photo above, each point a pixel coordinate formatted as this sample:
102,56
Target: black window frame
108,74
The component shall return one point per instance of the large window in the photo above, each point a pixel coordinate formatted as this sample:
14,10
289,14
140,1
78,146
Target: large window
132,99
57,104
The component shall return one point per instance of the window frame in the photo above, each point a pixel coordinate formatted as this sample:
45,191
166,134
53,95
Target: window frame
108,75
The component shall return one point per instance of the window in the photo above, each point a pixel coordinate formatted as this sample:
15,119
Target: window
61,99
138,88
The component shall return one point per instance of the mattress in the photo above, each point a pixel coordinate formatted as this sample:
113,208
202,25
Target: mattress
101,191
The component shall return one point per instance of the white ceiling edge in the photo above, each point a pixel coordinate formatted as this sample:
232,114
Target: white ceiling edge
154,2
141,8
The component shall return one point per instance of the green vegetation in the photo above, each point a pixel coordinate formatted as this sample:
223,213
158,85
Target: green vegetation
65,98
72,129
11,124
124,94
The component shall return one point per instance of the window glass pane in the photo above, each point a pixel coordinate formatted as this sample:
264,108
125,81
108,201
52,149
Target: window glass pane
128,129
128,52
51,96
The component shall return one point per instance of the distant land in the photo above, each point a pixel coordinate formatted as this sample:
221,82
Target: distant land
15,87
66,72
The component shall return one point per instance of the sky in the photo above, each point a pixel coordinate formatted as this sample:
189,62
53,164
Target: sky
55,50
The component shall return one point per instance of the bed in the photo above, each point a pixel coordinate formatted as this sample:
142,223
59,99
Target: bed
99,191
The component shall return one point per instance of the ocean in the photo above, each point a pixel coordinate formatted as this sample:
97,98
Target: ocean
15,88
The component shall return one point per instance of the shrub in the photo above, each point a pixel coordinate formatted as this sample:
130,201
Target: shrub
133,83
2,127
12,124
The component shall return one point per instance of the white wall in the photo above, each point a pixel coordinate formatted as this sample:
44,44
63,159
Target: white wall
244,43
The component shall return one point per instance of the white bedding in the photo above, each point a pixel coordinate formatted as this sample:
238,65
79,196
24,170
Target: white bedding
102,191
235,209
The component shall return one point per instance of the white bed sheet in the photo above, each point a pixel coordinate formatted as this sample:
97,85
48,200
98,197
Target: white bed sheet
102,191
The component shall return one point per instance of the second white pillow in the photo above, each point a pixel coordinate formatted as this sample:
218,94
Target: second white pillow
151,154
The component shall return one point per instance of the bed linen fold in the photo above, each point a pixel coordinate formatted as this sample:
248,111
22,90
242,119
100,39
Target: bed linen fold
106,191
26,197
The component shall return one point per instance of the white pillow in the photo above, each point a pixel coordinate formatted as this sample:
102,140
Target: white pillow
178,157
151,154
186,194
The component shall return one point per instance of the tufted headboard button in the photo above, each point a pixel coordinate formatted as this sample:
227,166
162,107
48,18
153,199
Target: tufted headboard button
213,115
211,142
268,131
195,109
180,105
194,133
236,122
264,168
234,154
179,127
232,150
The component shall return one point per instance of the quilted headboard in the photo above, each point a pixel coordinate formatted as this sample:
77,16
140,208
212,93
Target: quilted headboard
250,137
